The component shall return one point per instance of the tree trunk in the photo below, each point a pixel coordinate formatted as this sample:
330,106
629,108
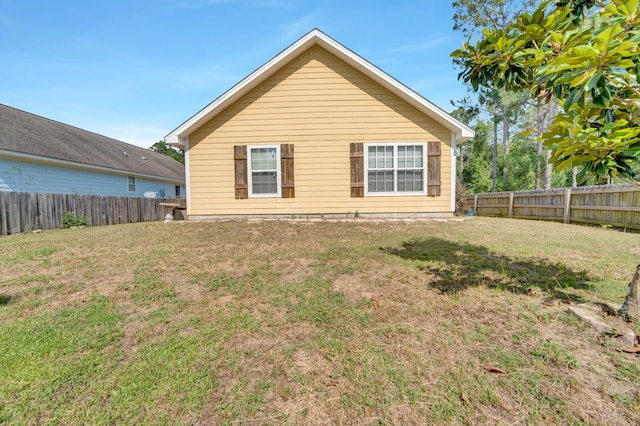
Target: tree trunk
495,154
631,307
505,146
547,170
574,177
461,174
552,110
539,130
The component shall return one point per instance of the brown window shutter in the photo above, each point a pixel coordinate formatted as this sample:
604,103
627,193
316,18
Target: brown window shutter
433,168
357,169
241,181
286,170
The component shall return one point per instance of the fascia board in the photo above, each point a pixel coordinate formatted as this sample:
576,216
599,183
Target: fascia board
237,91
176,137
422,104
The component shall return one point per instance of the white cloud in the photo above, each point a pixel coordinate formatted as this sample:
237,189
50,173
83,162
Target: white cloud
136,134
143,136
429,83
205,77
299,27
419,47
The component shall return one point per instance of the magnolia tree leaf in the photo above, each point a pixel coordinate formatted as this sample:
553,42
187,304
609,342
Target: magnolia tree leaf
586,54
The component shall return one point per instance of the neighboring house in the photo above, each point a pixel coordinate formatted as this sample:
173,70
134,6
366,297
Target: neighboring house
42,155
319,130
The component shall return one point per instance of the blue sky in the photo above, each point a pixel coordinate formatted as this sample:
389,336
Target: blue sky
134,70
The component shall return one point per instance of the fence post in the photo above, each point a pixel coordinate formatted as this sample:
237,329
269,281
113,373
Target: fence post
475,203
4,213
567,205
511,205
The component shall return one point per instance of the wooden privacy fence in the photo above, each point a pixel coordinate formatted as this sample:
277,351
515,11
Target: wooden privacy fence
28,211
615,205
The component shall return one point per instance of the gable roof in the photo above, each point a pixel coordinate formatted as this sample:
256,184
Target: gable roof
316,37
25,133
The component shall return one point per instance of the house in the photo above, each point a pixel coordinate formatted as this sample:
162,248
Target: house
42,155
319,130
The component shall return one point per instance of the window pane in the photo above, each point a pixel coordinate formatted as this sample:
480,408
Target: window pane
410,180
372,157
402,156
388,157
263,159
380,181
410,157
380,157
264,182
379,161
417,157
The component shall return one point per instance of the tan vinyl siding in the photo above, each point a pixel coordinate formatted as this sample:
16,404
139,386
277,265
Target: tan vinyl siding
321,105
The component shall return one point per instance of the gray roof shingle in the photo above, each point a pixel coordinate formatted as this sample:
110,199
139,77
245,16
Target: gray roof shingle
28,133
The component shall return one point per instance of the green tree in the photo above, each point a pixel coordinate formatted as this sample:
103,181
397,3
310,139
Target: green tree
470,17
584,54
477,172
466,112
163,148
522,164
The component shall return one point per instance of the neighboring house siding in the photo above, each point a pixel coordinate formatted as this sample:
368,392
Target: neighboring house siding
24,176
320,105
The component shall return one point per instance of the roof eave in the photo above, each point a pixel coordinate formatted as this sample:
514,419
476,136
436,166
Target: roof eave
465,135
407,94
85,166
175,140
178,136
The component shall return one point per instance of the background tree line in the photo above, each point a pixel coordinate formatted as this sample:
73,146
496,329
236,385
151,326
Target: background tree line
514,104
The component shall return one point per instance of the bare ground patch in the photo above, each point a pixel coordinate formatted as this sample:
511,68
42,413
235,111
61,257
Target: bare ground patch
335,323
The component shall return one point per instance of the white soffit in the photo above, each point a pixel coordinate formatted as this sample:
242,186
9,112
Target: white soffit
316,37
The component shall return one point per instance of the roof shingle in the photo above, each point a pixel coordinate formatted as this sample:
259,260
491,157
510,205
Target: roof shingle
23,132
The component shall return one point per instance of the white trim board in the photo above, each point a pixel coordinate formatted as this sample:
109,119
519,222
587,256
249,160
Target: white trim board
316,37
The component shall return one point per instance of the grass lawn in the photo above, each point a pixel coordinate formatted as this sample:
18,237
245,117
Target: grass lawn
298,322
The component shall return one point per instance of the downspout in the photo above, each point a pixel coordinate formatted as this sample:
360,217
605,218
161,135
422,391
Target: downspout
187,174
453,172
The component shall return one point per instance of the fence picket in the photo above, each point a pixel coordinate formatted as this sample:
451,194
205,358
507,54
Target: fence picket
4,213
615,205
27,211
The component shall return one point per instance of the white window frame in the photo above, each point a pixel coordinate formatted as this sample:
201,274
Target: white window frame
135,184
250,172
395,191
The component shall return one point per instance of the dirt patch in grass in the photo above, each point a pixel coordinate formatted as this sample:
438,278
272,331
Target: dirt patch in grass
239,322
129,342
296,270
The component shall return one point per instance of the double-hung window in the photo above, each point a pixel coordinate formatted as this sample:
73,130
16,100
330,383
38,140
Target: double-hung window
264,171
131,184
395,168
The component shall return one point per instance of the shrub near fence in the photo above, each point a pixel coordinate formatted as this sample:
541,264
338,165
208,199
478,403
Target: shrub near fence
28,211
615,205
